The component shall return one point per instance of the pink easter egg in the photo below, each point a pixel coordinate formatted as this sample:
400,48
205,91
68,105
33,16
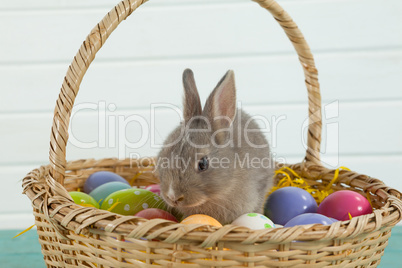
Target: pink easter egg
155,188
339,204
155,213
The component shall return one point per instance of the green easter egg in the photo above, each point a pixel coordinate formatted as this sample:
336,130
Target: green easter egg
104,190
131,201
84,199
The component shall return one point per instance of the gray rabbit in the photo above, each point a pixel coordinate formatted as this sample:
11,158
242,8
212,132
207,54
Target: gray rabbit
217,162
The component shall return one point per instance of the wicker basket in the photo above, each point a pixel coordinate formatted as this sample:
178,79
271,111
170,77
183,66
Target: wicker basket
75,236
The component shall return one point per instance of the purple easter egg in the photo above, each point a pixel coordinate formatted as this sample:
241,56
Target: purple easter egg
309,218
101,177
286,203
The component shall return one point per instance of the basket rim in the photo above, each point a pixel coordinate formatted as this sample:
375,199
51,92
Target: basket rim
69,216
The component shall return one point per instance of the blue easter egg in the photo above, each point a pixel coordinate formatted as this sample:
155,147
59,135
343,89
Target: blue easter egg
309,218
286,203
101,192
101,177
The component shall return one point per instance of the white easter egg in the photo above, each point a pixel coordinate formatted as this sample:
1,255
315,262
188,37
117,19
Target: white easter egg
254,221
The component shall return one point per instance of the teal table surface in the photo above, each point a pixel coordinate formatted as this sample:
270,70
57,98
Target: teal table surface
24,251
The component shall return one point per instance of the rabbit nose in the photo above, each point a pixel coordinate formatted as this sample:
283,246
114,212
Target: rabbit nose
176,200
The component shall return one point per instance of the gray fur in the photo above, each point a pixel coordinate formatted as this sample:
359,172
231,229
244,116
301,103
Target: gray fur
223,191
191,100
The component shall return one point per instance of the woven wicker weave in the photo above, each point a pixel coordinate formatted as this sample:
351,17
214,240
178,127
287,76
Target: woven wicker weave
75,236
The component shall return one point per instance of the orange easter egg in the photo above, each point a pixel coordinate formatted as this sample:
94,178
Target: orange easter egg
201,219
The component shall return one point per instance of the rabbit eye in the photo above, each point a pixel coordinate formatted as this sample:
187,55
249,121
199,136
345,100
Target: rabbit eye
203,164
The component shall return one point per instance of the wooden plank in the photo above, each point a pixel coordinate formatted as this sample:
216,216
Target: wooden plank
182,31
14,201
16,221
266,80
354,128
49,4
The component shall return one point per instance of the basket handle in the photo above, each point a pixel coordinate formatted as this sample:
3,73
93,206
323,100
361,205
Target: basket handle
99,35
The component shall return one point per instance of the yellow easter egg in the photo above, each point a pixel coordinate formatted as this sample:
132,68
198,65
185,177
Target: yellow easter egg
201,219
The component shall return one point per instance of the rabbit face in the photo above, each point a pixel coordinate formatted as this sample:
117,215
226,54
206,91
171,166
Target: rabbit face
193,170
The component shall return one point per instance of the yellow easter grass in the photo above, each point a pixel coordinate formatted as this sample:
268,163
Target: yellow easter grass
299,182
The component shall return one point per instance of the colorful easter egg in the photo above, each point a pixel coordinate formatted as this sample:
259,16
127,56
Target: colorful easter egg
340,204
201,219
155,188
155,213
310,218
131,201
254,221
83,199
286,203
101,192
101,177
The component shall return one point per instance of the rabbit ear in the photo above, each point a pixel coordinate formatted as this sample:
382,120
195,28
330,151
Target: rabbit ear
220,107
191,101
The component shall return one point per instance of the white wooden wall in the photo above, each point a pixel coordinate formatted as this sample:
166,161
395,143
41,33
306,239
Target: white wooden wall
357,46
